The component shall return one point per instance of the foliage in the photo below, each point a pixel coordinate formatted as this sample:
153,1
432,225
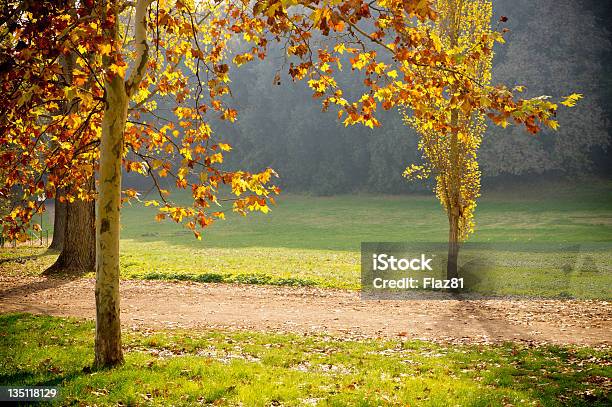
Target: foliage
57,148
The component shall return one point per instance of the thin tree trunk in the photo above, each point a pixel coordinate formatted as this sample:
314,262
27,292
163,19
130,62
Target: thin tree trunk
453,245
117,95
454,187
59,224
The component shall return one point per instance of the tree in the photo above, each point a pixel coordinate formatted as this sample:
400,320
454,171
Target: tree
78,251
452,154
61,150
75,232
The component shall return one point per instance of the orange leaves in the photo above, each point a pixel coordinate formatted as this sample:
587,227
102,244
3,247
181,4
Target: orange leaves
229,115
118,68
241,59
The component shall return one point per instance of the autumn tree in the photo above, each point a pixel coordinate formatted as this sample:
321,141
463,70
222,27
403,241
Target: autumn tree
115,97
76,220
450,145
451,154
31,34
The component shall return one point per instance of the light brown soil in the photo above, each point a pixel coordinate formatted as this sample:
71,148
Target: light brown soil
163,305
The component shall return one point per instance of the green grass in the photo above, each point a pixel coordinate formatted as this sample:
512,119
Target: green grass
257,369
309,240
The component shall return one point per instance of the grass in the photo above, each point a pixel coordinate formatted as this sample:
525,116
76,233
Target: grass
257,369
309,240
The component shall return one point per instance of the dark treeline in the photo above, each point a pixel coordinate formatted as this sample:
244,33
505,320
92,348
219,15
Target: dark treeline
554,47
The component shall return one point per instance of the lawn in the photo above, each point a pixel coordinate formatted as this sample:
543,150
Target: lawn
257,369
530,233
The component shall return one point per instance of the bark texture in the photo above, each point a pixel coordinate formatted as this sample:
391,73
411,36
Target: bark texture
59,225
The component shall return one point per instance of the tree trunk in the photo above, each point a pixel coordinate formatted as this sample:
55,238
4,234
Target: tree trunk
454,187
59,224
453,244
79,252
108,328
117,95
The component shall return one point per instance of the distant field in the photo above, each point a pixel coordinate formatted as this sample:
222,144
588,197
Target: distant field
309,240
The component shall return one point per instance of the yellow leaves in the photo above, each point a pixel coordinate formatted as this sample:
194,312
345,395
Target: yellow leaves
216,158
131,193
82,49
380,67
119,69
185,113
182,173
571,100
229,115
137,167
218,215
362,60
321,85
553,124
414,171
104,49
186,152
224,146
392,74
501,121
371,123
437,43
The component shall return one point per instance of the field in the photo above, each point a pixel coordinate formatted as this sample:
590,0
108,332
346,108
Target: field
530,233
259,369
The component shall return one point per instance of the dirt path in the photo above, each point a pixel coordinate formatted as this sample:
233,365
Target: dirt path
158,304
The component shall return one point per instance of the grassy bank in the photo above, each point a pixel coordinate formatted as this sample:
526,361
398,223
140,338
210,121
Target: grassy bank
165,368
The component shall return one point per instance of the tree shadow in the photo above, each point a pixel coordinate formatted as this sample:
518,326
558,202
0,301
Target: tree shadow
28,378
23,259
33,287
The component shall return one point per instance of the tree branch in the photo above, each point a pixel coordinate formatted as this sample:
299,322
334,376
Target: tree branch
142,48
